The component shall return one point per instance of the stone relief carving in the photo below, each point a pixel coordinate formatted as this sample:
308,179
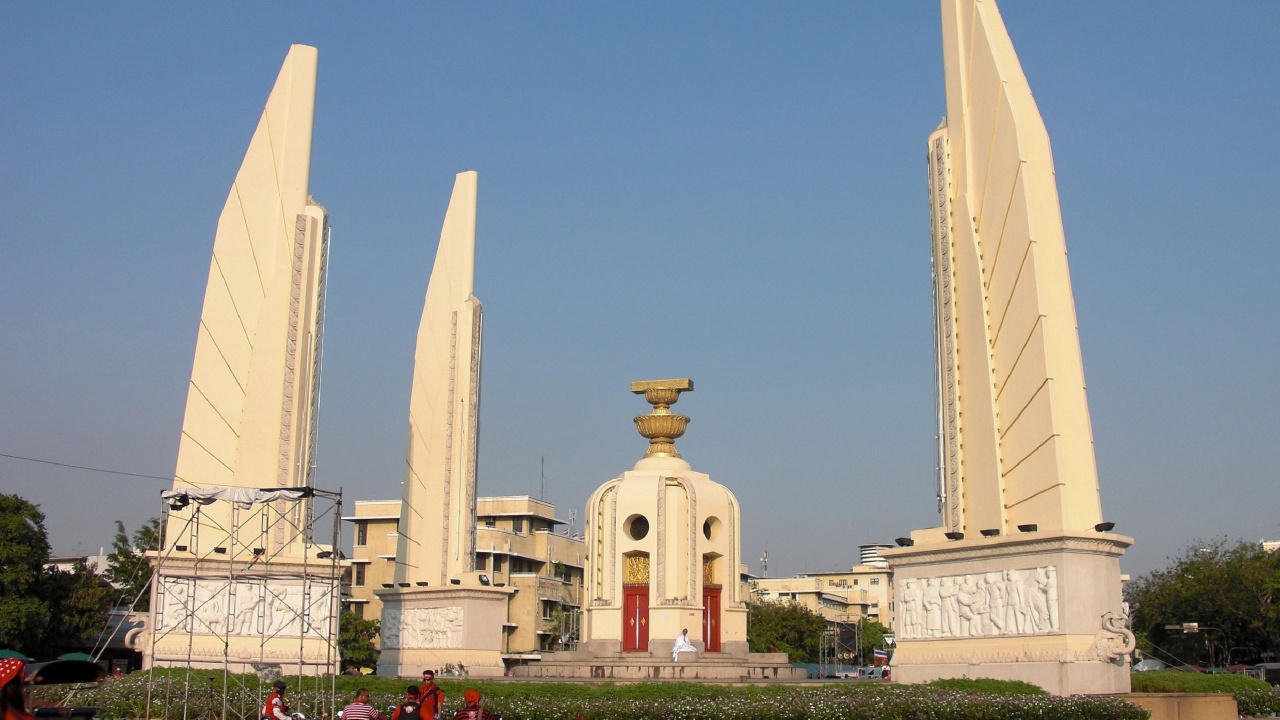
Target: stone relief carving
243,608
1013,602
1114,641
422,628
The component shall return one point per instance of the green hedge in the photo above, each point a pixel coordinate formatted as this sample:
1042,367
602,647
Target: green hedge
1163,681
1254,697
989,685
177,695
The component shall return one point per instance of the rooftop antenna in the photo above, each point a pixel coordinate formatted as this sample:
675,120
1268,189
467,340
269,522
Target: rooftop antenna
764,562
542,495
573,521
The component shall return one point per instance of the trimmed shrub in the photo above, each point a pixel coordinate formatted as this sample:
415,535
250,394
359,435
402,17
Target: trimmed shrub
989,685
1169,681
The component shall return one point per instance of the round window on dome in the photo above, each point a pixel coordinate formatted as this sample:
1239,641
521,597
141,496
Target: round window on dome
637,527
711,528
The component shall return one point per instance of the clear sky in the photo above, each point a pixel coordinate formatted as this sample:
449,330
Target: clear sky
733,192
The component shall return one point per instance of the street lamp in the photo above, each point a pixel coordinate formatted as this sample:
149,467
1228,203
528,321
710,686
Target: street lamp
1190,628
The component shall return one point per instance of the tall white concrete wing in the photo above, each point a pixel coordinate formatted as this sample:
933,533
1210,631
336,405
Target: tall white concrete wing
1017,447
437,522
251,403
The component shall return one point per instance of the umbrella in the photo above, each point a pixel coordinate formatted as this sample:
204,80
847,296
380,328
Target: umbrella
76,656
13,654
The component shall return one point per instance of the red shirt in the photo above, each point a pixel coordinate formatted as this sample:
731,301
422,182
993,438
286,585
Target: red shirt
432,699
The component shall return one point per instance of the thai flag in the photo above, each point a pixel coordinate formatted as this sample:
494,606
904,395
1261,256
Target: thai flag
882,655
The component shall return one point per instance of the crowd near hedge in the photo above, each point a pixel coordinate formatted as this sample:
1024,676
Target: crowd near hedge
179,696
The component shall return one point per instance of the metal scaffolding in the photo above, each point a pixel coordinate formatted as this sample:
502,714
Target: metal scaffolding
233,585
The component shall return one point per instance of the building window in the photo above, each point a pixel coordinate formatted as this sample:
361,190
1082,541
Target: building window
490,522
359,581
875,581
547,608
517,525
358,609
855,582
362,533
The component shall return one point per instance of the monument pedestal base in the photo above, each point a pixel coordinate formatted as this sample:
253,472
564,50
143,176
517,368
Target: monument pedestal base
597,663
1042,609
215,614
429,628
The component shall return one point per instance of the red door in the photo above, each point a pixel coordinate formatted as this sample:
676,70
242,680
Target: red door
635,618
711,618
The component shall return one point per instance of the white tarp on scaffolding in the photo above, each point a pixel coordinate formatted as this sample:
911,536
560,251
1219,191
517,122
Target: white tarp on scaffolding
243,497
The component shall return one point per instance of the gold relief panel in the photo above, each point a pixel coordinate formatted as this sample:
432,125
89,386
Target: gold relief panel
637,571
708,571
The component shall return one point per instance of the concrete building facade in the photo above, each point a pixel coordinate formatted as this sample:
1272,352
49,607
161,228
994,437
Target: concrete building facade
520,545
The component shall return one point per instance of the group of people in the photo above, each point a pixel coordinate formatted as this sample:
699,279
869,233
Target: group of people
421,702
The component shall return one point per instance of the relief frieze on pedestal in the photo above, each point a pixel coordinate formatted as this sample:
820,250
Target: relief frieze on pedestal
1011,602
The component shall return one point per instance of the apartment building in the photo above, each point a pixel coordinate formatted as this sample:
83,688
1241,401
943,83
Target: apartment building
519,542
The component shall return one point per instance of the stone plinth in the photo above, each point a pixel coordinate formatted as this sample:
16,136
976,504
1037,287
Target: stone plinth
278,612
1042,609
427,628
657,665
1186,706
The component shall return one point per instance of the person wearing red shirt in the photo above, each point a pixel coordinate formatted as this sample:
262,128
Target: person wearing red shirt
474,709
431,696
275,709
12,702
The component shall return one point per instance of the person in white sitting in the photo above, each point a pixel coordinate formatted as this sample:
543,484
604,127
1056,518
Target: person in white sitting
682,645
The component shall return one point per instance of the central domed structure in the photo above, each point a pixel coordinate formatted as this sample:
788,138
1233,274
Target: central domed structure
664,545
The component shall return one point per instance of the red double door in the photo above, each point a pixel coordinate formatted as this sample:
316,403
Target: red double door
635,618
711,618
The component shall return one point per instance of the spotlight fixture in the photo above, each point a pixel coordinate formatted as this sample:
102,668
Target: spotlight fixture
954,535
220,550
259,551
388,585
499,584
1104,526
905,542
484,580
1029,527
990,532
404,584
455,581
421,583
180,548
178,502
324,554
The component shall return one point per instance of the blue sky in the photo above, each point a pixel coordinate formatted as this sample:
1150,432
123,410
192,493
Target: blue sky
733,192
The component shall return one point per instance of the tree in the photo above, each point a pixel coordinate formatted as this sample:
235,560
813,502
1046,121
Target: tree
78,604
43,610
793,629
355,641
871,636
24,551
127,566
1229,590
